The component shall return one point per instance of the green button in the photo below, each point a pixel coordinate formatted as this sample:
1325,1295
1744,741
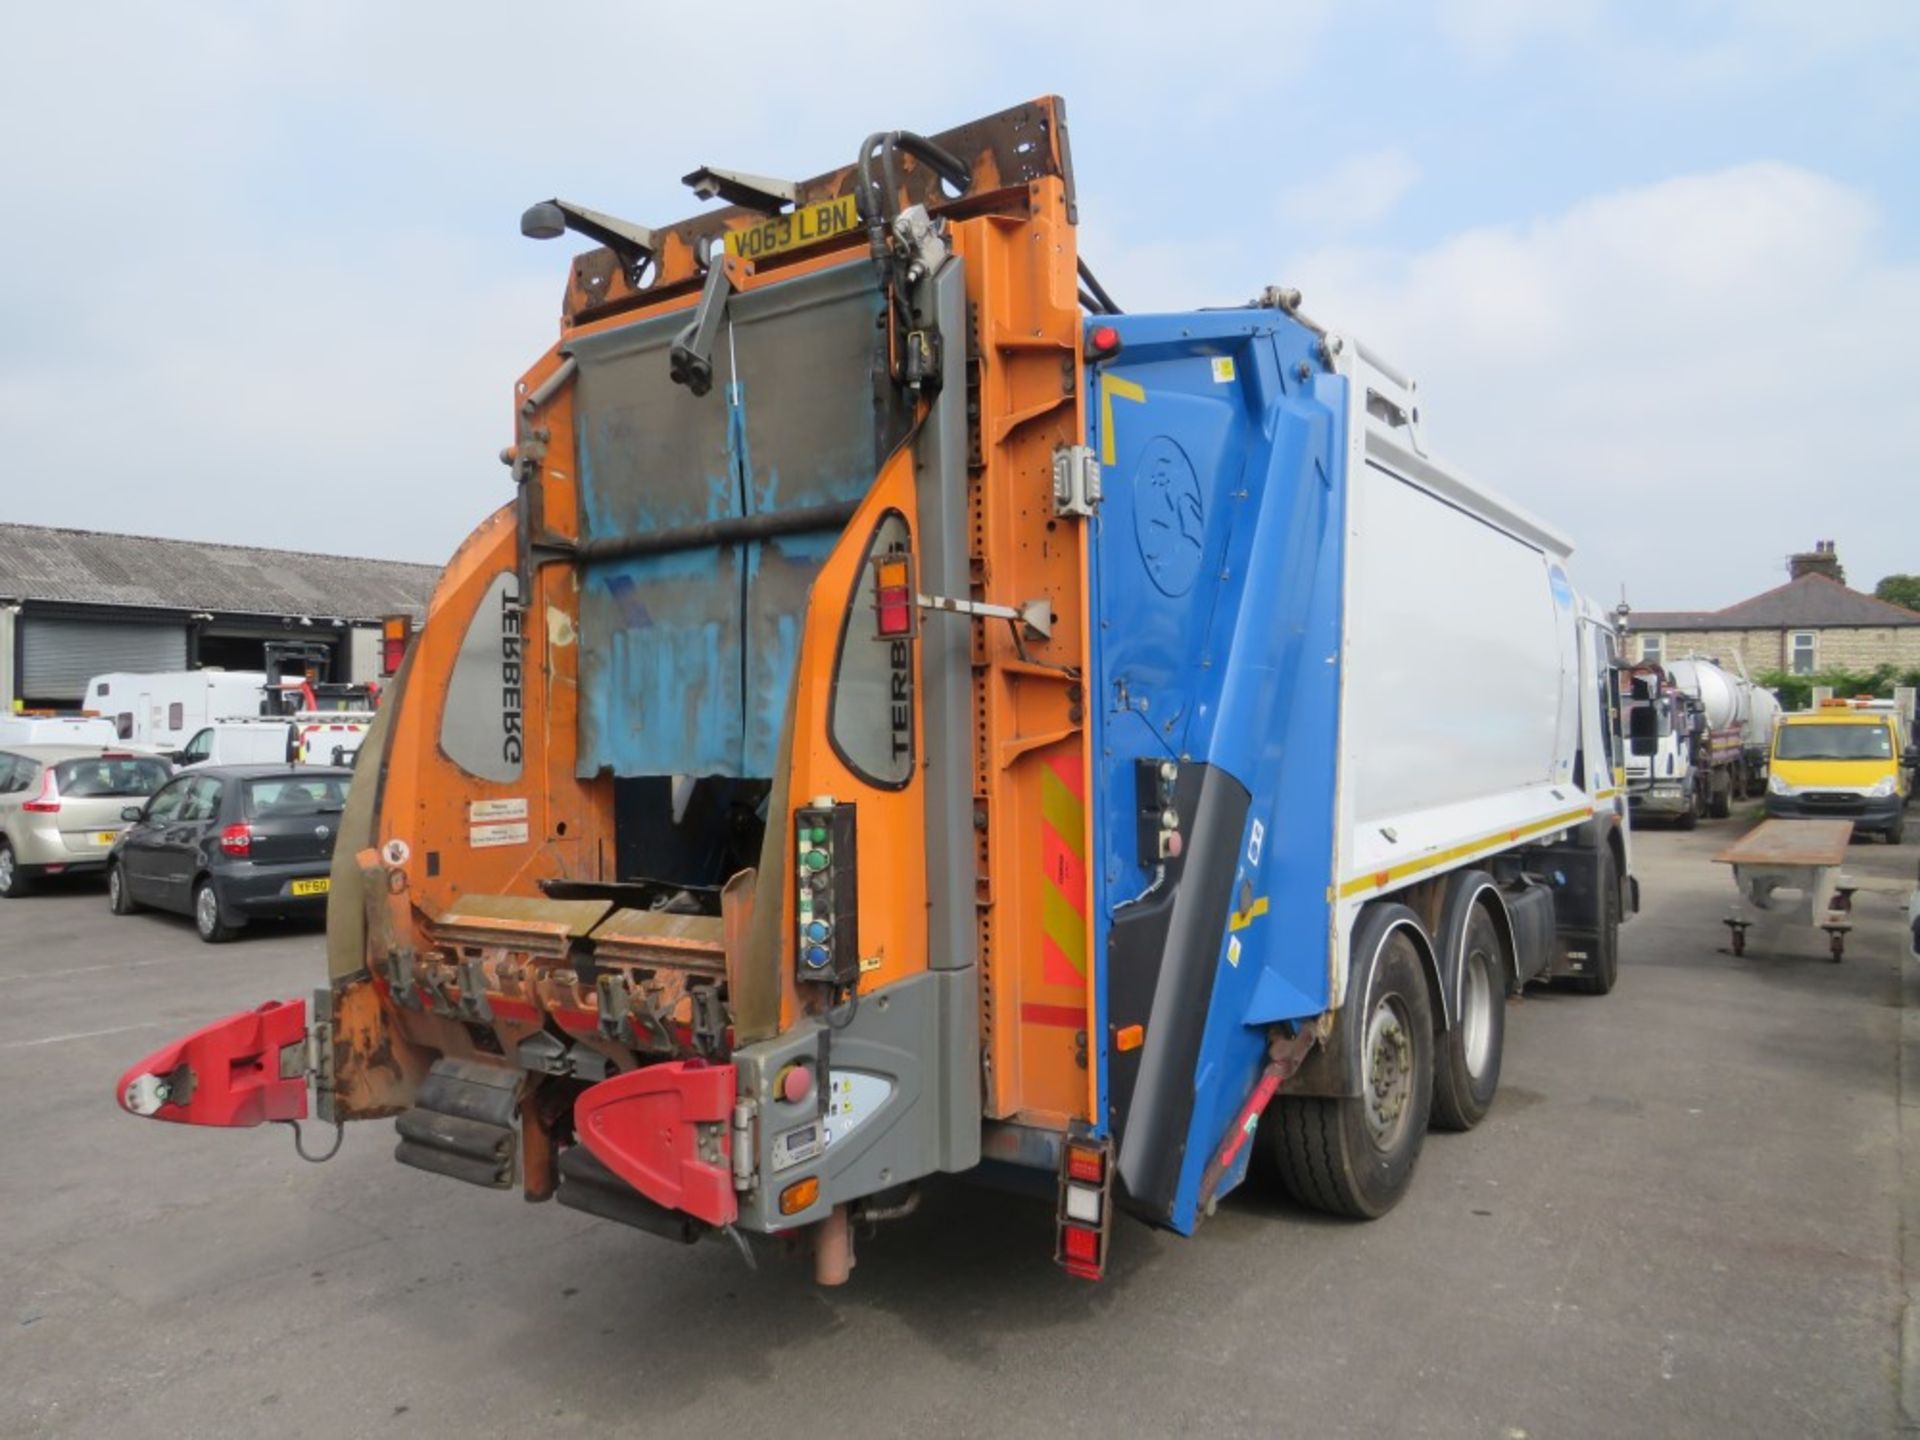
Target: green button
816,859
818,835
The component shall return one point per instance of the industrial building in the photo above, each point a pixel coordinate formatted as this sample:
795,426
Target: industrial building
78,603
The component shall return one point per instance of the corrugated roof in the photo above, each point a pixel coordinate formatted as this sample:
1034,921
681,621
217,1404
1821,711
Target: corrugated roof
93,567
1813,602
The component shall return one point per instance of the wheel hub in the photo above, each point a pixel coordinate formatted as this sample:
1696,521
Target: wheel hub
1389,1077
1477,1018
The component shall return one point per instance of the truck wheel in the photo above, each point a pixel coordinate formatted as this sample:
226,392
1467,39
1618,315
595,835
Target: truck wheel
1354,1155
119,899
1606,950
206,915
1720,801
1897,831
13,879
1466,1068
1689,817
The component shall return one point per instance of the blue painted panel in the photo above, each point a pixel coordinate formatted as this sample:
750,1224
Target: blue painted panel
1217,574
687,660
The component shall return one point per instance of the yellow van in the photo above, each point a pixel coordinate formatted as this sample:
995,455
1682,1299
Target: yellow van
1842,762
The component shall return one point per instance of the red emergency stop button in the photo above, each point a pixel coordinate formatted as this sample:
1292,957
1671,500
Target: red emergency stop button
796,1084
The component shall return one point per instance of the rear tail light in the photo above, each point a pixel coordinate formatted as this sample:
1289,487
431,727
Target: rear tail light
47,802
237,839
893,606
1085,1215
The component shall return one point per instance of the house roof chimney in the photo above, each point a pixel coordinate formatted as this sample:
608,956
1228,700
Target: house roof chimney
1821,560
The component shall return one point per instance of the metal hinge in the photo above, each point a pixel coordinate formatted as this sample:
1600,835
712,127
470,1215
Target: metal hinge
1076,480
745,1113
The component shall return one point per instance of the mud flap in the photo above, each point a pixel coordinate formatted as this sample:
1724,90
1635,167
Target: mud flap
461,1123
666,1130
244,1070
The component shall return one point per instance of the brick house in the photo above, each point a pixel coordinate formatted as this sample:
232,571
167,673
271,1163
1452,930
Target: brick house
1811,623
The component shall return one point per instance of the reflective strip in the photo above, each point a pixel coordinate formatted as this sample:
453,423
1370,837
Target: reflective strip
1381,879
1063,899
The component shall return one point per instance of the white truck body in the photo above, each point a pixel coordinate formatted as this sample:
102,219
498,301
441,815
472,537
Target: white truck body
330,737
1476,707
162,711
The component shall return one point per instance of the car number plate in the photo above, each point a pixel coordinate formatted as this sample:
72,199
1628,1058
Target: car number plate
105,837
310,887
804,225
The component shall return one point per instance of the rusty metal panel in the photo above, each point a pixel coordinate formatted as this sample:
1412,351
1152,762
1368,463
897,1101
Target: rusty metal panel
687,657
1791,842
656,938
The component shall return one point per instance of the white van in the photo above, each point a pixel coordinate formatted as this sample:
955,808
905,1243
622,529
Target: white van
239,742
53,729
163,711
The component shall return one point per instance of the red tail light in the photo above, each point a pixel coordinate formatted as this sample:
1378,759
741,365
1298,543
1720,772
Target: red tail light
237,839
893,596
47,802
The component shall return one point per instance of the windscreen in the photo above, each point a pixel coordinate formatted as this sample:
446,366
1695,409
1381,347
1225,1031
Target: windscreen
687,656
296,795
120,775
1834,742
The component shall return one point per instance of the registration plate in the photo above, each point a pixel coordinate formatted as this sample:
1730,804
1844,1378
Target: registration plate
310,887
805,225
105,837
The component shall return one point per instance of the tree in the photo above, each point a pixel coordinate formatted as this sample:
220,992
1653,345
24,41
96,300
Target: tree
1900,589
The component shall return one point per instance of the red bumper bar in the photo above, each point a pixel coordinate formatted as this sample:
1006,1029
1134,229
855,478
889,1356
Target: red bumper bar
243,1070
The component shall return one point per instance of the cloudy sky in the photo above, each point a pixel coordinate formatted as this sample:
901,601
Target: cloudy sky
1656,265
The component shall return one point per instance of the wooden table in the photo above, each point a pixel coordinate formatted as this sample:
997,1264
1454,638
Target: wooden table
1803,856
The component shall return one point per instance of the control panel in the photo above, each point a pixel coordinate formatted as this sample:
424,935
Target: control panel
827,949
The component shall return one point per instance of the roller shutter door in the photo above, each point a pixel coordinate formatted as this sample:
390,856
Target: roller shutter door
58,657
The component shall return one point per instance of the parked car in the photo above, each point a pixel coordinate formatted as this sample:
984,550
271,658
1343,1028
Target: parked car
60,807
228,843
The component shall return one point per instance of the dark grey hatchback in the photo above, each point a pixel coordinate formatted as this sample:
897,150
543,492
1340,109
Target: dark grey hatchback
226,843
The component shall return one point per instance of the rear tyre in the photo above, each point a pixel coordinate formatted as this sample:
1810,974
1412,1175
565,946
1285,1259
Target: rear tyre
13,876
1720,799
1466,1070
207,919
119,899
1606,950
1354,1155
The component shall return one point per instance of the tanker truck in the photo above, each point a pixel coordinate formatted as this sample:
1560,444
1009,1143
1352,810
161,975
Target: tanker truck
1722,700
911,719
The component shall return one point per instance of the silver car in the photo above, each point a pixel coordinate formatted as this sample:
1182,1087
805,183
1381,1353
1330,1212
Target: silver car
60,807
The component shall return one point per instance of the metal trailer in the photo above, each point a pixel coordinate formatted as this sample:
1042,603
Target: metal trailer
1803,857
915,718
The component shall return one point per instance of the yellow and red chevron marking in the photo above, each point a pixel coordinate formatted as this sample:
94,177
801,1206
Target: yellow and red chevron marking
1063,809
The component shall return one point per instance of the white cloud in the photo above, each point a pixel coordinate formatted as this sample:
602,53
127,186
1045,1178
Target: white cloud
1693,378
1358,192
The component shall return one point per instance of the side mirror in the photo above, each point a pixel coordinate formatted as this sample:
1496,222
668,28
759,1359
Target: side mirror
132,812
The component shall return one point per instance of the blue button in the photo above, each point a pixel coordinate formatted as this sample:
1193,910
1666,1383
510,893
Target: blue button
817,930
817,957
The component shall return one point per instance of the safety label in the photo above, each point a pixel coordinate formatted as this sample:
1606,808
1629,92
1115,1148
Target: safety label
512,832
482,812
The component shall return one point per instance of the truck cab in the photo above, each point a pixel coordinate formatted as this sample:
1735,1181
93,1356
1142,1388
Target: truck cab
1663,728
1845,763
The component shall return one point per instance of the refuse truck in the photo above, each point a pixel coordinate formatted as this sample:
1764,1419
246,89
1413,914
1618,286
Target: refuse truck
913,718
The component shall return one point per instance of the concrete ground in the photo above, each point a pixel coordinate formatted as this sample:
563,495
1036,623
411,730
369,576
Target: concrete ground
1682,1218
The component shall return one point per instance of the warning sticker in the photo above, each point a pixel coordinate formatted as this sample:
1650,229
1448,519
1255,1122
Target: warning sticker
513,832
1223,369
482,812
